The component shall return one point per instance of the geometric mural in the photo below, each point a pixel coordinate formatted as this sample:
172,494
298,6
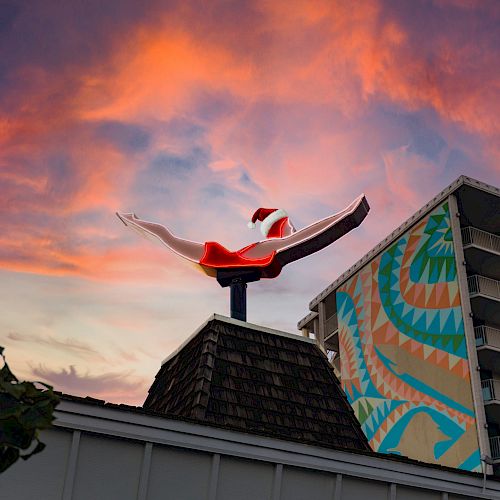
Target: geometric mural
403,354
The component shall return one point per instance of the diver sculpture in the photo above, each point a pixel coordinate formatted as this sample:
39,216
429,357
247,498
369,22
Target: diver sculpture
266,258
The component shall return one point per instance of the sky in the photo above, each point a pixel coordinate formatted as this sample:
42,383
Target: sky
194,114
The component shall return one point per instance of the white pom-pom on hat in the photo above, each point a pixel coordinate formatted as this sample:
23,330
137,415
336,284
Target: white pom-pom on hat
268,217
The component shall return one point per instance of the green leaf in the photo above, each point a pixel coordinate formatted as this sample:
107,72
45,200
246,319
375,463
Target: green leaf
38,415
9,406
6,375
12,433
24,410
30,391
16,390
7,457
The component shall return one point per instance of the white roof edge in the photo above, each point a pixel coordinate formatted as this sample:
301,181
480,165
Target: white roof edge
260,328
457,183
236,322
116,422
191,337
306,319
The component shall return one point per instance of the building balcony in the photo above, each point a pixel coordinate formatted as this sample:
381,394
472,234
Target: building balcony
495,447
491,389
488,346
485,298
471,236
482,252
332,331
491,393
487,336
481,285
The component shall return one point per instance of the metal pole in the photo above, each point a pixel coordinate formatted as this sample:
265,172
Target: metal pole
238,299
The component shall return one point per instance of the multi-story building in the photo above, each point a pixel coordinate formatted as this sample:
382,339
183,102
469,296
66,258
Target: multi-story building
413,330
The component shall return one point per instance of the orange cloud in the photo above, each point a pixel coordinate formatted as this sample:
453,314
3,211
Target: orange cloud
296,84
234,105
156,74
47,255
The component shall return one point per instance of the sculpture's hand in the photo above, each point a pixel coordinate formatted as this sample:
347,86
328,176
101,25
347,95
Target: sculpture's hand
127,217
190,250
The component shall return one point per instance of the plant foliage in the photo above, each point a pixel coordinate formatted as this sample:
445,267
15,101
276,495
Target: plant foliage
24,411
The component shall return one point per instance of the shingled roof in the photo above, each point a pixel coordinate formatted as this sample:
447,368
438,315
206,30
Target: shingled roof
253,379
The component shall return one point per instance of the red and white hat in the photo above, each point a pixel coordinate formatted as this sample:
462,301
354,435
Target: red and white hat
272,221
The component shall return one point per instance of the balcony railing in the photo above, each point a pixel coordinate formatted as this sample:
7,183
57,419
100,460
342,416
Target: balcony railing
491,389
495,446
484,286
477,237
487,335
332,324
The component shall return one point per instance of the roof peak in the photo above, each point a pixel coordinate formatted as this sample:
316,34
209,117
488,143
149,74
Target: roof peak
235,322
257,380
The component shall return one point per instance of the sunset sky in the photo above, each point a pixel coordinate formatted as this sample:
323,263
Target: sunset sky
194,114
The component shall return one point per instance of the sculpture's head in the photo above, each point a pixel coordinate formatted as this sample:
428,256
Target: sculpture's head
274,222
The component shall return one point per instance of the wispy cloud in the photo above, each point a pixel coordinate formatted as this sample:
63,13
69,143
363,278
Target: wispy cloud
111,386
69,344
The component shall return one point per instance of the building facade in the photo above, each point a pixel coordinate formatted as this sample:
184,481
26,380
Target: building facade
100,451
413,330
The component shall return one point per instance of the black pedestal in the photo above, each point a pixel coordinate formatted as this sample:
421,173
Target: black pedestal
237,280
239,300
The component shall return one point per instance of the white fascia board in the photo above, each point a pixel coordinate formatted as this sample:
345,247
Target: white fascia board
120,423
307,319
380,247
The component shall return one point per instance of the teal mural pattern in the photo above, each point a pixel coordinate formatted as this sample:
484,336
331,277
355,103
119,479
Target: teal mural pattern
403,353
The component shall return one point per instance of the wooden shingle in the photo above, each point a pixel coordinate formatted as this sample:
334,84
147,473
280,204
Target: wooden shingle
252,380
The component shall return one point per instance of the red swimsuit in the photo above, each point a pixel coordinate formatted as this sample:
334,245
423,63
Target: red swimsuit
217,256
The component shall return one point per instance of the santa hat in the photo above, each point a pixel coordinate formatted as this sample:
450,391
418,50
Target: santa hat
273,221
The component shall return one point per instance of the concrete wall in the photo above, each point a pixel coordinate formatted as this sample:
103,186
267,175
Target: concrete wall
98,452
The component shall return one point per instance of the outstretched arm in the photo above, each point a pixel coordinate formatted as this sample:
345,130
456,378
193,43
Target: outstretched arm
190,250
321,231
323,224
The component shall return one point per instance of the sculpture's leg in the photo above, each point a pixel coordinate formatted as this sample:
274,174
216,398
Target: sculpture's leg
190,250
238,299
